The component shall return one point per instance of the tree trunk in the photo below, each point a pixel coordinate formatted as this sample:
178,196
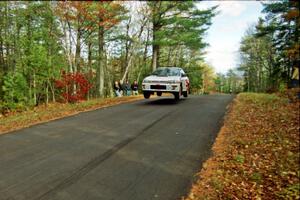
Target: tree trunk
30,72
175,58
1,52
155,56
144,56
77,51
34,88
128,63
127,48
90,73
100,69
2,27
52,90
169,55
130,51
6,28
155,47
69,47
47,93
89,55
108,85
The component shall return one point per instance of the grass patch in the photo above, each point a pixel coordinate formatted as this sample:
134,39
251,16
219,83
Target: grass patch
257,151
240,158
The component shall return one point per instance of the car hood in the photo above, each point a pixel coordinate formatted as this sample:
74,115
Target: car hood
162,78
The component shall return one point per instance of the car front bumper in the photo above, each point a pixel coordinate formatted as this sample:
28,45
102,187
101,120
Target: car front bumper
161,87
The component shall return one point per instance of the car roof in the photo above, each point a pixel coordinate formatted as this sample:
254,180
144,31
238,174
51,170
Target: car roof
170,67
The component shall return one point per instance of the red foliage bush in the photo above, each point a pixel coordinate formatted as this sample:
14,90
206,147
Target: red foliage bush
73,86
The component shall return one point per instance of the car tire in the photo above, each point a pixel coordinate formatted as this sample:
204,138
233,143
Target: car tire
147,95
159,93
185,94
178,94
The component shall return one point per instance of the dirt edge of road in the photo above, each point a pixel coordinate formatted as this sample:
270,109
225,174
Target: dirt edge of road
56,111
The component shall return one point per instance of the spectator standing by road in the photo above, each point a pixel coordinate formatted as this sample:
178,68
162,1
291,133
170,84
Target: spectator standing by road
127,88
135,88
117,89
121,85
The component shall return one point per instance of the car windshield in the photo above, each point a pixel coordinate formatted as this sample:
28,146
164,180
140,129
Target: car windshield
166,72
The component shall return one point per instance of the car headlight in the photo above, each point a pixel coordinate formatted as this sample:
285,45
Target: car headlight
174,81
146,81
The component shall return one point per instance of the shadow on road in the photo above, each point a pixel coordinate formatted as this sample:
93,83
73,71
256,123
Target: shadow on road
163,101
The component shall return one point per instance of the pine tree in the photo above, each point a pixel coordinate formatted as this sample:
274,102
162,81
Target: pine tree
177,23
283,23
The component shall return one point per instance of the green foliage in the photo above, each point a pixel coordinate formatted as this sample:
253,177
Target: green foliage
14,91
257,177
180,23
40,39
201,77
239,158
258,58
270,52
282,87
231,82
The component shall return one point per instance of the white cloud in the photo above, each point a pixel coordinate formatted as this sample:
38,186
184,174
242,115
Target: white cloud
221,59
205,4
235,26
232,8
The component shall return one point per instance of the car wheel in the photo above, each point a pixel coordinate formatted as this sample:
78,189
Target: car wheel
146,95
185,94
176,95
159,93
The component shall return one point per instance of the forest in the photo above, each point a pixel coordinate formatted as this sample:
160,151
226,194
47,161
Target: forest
68,51
270,49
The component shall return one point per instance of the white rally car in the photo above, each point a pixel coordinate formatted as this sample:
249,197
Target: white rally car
167,79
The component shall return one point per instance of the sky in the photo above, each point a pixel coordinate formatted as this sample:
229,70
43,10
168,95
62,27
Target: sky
227,30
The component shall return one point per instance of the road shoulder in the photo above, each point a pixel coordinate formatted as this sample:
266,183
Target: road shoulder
256,154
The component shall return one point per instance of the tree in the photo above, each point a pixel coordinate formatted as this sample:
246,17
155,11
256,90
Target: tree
270,51
231,82
89,19
282,24
259,62
100,41
108,14
176,24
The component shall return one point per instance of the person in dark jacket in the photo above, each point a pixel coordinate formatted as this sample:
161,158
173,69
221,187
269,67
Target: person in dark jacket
117,89
121,85
135,88
127,88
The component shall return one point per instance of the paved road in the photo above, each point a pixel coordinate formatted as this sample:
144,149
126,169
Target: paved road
149,149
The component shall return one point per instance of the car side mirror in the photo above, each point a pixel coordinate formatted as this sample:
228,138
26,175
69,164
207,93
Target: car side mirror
183,75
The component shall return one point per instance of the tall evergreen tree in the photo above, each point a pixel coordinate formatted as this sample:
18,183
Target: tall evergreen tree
283,23
177,23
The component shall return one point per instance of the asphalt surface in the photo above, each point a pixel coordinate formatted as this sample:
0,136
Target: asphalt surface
149,149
